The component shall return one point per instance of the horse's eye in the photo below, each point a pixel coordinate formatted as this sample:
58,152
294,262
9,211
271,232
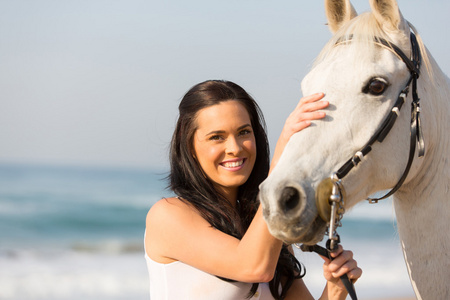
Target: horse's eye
375,87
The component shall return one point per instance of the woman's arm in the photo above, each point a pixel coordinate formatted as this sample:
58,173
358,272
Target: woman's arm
176,231
298,290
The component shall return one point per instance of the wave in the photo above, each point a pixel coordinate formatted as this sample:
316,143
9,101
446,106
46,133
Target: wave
73,275
110,247
115,270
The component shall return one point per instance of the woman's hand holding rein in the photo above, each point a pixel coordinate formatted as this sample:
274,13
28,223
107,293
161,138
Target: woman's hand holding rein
342,263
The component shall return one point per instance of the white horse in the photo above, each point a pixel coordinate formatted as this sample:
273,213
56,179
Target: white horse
362,80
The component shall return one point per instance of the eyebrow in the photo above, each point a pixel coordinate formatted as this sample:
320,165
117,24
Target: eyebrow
223,131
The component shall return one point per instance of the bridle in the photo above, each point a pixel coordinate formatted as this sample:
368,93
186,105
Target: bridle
413,65
330,192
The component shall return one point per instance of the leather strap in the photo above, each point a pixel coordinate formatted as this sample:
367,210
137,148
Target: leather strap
326,253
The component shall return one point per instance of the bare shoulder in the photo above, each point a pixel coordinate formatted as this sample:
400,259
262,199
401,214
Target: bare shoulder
170,221
169,210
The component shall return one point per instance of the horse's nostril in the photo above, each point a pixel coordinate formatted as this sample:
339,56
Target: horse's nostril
290,199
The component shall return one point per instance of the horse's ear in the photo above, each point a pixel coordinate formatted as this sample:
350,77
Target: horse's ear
339,12
388,14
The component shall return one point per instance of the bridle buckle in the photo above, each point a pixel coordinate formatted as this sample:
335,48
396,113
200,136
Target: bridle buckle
357,158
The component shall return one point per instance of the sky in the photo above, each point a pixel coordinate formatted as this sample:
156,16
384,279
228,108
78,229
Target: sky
98,82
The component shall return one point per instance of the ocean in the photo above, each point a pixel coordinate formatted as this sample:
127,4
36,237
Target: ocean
77,233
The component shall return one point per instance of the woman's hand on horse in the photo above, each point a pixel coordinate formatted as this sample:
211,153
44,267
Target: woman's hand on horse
306,111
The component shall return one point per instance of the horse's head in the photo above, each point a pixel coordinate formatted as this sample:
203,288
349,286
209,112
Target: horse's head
362,80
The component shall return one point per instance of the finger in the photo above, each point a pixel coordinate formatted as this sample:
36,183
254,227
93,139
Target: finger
300,125
338,251
340,260
326,263
349,266
311,107
316,115
311,98
298,122
315,105
334,254
354,274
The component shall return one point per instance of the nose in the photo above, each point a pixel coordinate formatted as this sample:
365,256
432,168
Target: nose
233,146
290,201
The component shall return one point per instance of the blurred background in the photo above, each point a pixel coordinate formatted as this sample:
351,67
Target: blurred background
88,101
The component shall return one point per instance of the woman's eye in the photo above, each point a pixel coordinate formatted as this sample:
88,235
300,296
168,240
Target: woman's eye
375,87
244,132
215,138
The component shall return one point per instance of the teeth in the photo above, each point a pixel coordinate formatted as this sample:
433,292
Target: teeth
233,164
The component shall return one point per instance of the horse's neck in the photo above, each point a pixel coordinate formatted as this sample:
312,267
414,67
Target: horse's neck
423,225
422,206
432,175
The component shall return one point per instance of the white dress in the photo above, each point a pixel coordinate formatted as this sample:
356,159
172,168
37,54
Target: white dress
179,281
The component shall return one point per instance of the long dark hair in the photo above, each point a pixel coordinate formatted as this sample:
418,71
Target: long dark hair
187,179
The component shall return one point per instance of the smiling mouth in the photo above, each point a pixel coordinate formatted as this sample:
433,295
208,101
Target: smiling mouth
233,164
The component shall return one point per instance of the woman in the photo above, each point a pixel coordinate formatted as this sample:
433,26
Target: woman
211,241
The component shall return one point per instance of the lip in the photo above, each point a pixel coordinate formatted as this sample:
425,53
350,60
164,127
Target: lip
233,169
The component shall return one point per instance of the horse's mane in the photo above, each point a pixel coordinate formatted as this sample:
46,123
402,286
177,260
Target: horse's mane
365,28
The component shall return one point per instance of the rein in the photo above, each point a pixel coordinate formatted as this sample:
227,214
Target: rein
330,192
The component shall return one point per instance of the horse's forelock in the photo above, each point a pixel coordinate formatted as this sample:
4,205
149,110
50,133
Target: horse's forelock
365,28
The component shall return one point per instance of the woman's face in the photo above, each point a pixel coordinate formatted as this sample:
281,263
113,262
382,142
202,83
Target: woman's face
224,145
